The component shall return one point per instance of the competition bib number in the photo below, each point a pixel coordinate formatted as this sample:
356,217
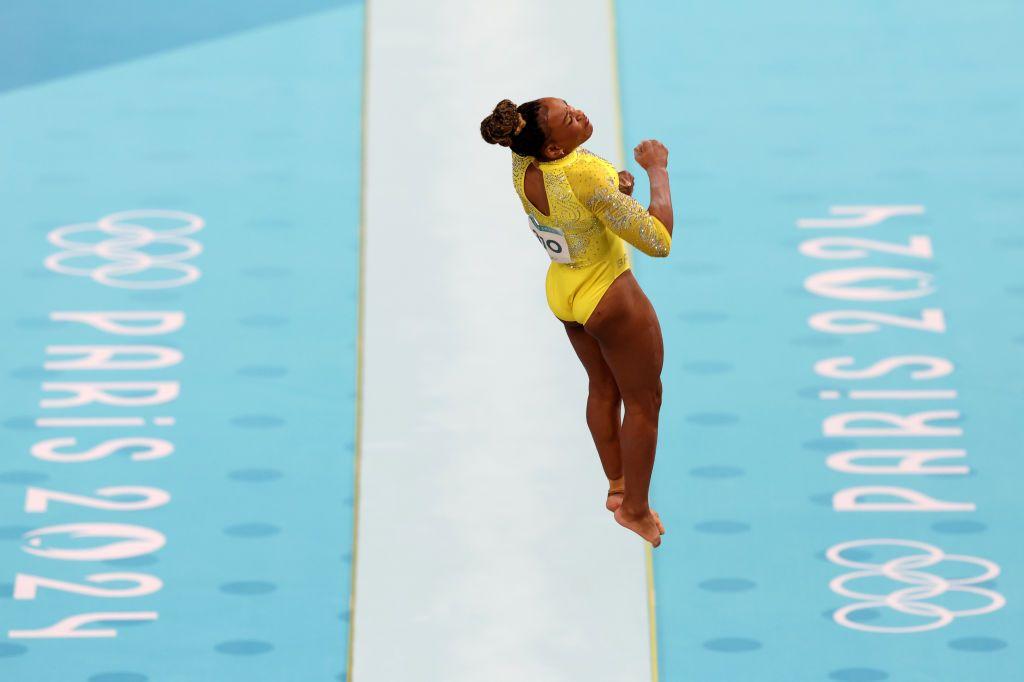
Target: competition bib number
553,241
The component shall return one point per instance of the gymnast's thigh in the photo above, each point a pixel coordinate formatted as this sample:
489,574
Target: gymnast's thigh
559,286
590,294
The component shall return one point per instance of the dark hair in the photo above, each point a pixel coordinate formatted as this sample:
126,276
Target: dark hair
516,127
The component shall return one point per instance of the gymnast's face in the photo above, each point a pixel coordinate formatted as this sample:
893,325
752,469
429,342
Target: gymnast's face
567,128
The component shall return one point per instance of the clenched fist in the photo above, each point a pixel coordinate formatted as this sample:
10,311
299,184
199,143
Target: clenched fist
626,182
651,154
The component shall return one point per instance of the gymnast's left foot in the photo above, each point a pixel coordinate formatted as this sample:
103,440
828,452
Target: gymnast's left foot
616,489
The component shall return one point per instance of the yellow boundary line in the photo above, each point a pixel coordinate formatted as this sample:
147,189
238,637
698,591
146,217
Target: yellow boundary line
652,618
616,95
358,449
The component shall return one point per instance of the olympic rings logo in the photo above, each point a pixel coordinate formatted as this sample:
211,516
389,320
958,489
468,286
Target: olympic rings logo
910,600
125,250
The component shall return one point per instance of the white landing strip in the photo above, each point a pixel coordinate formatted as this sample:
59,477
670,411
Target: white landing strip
485,553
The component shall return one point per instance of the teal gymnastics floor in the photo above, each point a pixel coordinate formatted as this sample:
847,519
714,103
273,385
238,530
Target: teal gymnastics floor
282,400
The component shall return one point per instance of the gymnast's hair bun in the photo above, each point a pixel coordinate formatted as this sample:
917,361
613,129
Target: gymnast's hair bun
504,123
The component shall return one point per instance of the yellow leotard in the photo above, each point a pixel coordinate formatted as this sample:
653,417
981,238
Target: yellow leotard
584,234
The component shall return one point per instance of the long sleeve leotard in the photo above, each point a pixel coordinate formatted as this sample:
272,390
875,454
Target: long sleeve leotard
588,208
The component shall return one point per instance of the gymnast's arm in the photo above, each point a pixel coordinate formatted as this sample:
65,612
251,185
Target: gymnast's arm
661,197
653,157
624,215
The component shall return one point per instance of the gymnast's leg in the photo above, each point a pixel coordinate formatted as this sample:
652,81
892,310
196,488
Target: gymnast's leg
604,409
629,335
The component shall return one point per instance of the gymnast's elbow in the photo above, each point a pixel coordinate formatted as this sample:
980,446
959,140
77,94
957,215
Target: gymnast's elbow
659,249
659,239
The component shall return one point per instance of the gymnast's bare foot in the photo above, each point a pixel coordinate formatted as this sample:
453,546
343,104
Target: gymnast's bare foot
645,523
616,489
657,520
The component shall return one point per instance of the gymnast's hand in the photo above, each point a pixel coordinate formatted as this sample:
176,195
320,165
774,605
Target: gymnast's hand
651,154
626,182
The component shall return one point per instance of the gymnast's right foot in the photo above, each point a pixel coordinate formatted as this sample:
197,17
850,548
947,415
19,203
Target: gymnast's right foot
645,523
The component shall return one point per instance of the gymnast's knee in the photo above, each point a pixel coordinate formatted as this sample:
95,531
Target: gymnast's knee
603,390
646,400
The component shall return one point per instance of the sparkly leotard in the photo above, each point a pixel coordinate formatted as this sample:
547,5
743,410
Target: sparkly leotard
589,219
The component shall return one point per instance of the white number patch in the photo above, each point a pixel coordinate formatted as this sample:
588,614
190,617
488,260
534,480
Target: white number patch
552,239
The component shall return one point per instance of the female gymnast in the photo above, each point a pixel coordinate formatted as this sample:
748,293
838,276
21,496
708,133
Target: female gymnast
581,210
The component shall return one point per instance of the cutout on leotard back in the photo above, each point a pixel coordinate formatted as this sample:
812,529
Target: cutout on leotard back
533,188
